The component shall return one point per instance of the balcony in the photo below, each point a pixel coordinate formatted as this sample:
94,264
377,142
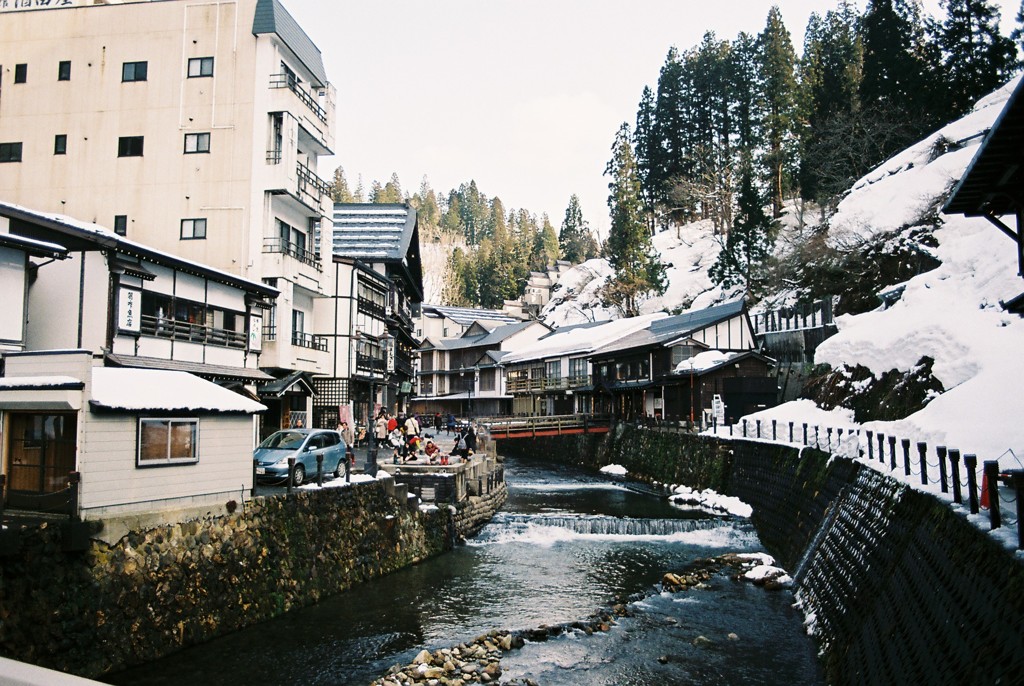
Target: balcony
514,385
308,340
370,364
194,333
291,83
367,306
276,244
311,185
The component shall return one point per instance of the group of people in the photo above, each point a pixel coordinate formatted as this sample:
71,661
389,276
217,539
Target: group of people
405,436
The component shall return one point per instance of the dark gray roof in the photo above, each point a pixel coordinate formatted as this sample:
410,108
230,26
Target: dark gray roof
468,315
493,338
669,329
272,17
373,232
33,247
197,368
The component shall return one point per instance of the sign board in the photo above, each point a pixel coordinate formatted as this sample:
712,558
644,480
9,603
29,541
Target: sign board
129,302
718,409
255,332
406,387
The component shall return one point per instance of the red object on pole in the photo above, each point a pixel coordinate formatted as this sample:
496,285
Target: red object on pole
984,491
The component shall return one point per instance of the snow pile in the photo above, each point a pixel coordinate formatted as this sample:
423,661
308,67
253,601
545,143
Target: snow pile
614,470
704,361
711,500
337,482
138,390
761,569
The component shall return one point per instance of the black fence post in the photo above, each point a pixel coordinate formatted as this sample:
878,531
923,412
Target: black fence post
871,447
791,432
291,473
941,451
348,469
252,491
992,485
881,447
892,453
1017,482
75,485
828,433
954,474
805,433
922,449
3,498
758,423
905,444
971,466
320,469
773,430
730,429
744,428
714,424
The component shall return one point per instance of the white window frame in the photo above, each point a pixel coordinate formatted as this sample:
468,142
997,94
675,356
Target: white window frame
199,67
197,143
168,460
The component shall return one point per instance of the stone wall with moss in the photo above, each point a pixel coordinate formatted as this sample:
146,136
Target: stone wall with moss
899,586
156,591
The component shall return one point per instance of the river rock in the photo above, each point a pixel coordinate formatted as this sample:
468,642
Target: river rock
423,658
702,642
733,637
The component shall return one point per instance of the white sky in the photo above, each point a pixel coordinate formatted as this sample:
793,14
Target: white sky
523,96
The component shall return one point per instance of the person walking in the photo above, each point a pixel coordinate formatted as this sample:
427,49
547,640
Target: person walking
412,426
451,423
438,423
346,433
380,428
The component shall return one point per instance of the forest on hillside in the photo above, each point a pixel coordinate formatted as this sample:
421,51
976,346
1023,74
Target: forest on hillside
731,132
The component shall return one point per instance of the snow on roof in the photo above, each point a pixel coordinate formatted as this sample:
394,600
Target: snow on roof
581,339
164,391
38,382
468,315
367,231
709,359
495,337
32,246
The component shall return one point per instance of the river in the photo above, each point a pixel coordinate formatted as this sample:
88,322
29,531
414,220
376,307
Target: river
567,543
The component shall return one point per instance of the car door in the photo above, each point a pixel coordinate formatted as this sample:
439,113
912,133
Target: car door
314,447
334,450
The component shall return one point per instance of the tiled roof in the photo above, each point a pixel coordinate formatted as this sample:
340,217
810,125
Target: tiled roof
373,232
493,338
467,315
272,17
672,328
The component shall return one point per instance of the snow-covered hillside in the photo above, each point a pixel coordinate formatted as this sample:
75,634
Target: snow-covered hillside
950,314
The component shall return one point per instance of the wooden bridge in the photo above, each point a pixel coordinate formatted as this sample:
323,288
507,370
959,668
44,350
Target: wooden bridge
553,425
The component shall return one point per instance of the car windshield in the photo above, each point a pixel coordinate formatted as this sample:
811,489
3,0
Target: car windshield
284,440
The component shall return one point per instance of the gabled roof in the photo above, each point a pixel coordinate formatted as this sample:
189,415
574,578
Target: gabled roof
198,368
386,233
581,338
467,315
667,331
135,390
272,17
33,247
994,182
494,338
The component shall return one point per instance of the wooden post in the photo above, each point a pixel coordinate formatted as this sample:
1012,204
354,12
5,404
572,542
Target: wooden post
773,430
971,467
892,453
791,432
252,491
905,443
3,495
758,423
871,449
291,473
75,484
744,428
1017,482
954,474
828,434
992,484
320,469
805,433
941,451
922,448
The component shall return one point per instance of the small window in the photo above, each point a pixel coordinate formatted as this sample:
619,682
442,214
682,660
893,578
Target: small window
134,71
121,224
64,71
197,142
200,66
20,73
129,146
10,152
168,441
60,144
193,229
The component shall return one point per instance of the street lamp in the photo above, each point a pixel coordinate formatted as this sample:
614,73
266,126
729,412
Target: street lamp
472,383
371,453
691,393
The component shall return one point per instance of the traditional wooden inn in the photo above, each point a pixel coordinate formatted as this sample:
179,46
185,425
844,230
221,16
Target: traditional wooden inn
553,376
684,368
125,360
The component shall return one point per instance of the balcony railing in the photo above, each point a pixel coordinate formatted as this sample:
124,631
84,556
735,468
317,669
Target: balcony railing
195,333
368,363
370,307
308,340
546,384
270,332
276,244
311,184
291,83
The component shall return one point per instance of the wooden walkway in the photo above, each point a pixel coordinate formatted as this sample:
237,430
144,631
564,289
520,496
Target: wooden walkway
556,425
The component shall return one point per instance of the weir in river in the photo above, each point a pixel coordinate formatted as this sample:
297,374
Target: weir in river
567,543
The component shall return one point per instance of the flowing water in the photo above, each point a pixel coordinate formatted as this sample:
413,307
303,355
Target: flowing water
566,544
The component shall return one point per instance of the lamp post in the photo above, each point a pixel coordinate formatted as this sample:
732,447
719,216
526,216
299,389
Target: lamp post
691,394
371,453
472,382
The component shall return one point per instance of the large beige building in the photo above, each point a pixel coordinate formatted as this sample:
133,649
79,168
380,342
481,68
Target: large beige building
193,127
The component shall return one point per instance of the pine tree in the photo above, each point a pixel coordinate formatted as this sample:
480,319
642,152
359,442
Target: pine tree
1018,32
545,249
666,158
978,59
645,144
778,61
575,239
339,188
428,210
638,271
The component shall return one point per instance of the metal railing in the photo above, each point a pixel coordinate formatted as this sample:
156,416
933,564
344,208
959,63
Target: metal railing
311,184
292,83
370,307
163,327
309,340
520,427
546,383
276,244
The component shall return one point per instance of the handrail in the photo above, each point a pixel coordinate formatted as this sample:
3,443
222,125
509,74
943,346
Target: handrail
307,177
277,244
162,327
291,83
309,340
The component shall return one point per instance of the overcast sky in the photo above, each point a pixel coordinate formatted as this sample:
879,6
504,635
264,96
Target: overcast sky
524,96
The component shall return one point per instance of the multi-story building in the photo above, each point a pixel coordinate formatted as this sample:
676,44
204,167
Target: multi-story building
188,126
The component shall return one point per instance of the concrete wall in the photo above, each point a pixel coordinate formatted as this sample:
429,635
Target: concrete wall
903,588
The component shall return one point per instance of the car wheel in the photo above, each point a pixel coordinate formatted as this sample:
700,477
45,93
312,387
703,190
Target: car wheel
339,471
300,475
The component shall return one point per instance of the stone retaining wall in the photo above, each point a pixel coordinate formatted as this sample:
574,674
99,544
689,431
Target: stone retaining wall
902,588
164,588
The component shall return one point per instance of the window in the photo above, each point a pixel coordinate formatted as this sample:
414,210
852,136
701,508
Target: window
10,152
134,71
60,144
578,368
298,321
168,441
20,73
197,142
193,229
129,146
64,71
121,224
200,66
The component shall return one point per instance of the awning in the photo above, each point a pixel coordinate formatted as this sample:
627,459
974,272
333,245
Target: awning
41,393
211,371
278,388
